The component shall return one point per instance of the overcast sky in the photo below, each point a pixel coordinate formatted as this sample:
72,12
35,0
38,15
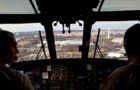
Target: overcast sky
37,26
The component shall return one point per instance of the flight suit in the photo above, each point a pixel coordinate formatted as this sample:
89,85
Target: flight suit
124,78
18,80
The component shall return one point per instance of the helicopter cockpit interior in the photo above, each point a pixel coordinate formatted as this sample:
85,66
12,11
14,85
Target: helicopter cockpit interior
57,71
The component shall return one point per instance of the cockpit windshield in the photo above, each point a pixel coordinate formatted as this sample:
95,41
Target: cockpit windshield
16,7
110,43
119,5
25,7
111,33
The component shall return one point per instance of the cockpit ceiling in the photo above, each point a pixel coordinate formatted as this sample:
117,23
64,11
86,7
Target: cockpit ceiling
25,7
21,11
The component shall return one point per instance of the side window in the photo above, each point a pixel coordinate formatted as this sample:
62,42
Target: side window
28,40
110,43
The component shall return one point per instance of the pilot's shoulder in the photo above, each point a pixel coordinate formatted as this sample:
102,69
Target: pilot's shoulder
122,71
116,75
17,74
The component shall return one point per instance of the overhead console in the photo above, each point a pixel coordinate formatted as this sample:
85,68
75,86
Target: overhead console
67,13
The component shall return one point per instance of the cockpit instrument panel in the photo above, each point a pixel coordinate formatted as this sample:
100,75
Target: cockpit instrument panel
68,74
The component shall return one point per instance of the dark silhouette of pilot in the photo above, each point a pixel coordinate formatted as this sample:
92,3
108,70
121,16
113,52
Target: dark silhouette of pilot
127,77
8,53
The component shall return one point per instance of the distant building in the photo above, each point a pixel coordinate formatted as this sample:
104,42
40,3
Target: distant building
117,55
35,36
108,32
17,39
118,40
44,42
69,42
